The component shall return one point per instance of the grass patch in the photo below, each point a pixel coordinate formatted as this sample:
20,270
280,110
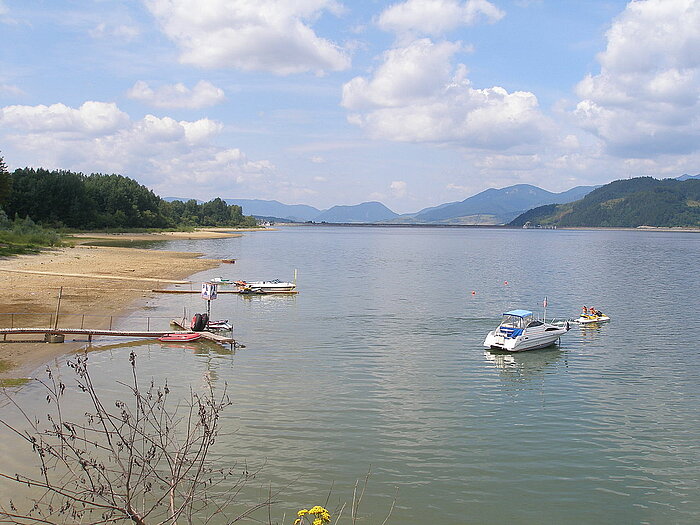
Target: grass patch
5,365
9,383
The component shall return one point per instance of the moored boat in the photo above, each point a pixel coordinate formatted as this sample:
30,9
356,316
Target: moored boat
222,324
519,331
179,337
265,286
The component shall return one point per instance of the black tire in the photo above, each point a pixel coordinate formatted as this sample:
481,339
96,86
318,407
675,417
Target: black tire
205,321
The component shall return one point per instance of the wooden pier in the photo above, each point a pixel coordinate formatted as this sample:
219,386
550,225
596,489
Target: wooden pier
53,334
219,292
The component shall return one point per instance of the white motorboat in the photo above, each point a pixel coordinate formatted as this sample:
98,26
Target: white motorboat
265,286
519,331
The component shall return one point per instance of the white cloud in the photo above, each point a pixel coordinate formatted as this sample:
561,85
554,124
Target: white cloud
10,89
265,35
398,188
317,159
644,102
416,96
436,17
3,8
170,156
92,118
122,31
203,94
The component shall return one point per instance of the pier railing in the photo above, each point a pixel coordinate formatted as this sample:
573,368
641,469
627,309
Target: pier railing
83,321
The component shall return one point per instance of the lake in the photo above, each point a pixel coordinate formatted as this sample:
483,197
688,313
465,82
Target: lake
378,363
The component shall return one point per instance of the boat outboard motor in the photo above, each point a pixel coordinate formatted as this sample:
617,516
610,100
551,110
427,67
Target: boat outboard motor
199,322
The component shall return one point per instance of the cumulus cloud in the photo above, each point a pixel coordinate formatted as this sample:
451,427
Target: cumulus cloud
264,35
644,102
92,118
417,96
203,94
436,17
168,155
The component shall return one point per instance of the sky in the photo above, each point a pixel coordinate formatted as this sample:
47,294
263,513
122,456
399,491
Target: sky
328,102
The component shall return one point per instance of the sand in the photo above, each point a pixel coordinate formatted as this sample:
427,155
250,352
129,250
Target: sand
95,280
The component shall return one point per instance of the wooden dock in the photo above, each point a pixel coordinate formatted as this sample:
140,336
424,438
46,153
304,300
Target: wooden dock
219,292
90,333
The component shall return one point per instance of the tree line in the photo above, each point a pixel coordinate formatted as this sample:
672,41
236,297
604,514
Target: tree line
65,199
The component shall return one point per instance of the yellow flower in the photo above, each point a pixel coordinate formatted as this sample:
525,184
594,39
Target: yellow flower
318,521
302,512
297,521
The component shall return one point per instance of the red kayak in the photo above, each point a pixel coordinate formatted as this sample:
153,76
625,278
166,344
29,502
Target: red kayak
179,337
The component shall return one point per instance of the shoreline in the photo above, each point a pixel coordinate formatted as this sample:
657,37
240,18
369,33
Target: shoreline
101,281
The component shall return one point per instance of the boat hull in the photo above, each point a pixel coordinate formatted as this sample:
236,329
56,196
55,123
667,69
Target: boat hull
589,320
179,338
523,342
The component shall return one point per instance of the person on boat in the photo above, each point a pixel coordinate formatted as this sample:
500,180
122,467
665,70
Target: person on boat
593,312
585,311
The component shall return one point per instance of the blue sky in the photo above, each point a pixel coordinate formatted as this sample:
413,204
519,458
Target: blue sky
322,102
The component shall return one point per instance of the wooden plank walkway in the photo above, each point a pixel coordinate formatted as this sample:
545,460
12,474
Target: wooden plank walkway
118,333
286,292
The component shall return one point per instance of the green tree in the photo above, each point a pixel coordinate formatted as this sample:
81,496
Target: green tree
5,181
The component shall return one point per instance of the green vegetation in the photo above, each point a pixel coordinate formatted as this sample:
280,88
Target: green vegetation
43,202
63,199
642,201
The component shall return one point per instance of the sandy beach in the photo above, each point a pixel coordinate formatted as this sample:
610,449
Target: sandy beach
95,280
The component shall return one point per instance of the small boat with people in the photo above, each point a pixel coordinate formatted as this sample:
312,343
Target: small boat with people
519,331
591,315
273,286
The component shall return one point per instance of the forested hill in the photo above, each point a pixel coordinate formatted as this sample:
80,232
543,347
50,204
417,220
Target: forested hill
642,201
97,201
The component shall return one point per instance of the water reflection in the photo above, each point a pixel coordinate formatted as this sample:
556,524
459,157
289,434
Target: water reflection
523,366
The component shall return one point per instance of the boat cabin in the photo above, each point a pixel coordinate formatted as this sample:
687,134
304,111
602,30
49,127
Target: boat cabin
516,321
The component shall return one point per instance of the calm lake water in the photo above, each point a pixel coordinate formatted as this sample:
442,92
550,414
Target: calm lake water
378,362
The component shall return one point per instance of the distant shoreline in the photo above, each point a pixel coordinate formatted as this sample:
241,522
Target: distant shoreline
491,226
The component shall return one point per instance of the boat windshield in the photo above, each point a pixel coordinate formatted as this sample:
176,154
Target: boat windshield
513,321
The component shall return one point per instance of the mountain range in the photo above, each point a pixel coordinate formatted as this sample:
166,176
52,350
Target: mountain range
492,206
489,207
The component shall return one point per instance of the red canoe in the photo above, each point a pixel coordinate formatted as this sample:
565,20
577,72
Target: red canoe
179,338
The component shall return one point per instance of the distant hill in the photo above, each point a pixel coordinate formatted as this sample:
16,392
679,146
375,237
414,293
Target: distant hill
367,212
494,206
688,177
642,201
263,208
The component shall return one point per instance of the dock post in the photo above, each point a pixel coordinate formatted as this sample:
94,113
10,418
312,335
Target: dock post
58,307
